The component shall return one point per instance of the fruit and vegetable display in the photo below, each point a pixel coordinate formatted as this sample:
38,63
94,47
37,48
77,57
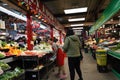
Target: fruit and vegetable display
9,75
9,49
38,50
45,47
4,66
117,47
1,71
2,55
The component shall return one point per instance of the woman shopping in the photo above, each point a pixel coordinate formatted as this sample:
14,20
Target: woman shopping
72,49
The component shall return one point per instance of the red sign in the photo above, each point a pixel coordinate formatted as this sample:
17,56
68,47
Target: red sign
38,7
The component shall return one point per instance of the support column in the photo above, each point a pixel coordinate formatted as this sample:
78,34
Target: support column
51,32
29,32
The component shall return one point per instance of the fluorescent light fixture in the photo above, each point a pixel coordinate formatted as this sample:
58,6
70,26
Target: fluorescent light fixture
4,4
4,33
78,28
76,19
4,10
75,10
76,25
42,26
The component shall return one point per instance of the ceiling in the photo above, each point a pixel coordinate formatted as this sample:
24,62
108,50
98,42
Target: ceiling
95,8
57,7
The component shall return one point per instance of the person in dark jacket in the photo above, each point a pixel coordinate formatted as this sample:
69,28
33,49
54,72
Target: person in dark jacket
72,48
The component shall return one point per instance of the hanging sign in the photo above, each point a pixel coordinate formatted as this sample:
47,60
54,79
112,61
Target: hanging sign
37,7
111,9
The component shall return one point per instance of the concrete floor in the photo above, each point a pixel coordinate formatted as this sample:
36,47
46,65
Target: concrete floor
89,71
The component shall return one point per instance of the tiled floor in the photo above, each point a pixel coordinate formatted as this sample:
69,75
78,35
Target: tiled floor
89,71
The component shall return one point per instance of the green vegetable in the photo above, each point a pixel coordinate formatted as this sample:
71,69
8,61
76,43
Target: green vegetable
3,43
118,45
2,55
11,74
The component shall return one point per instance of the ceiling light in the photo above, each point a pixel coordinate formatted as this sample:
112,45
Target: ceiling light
3,33
42,26
4,4
76,19
75,10
36,15
78,28
77,25
4,10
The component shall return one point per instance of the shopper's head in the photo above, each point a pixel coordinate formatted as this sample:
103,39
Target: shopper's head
69,32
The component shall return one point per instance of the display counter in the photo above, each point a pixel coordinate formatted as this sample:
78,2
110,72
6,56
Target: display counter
114,62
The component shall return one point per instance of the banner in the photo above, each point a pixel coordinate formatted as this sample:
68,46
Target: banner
111,9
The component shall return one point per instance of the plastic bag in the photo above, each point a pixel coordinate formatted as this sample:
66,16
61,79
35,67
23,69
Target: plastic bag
60,57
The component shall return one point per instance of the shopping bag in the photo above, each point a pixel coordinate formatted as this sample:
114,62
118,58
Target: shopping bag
60,57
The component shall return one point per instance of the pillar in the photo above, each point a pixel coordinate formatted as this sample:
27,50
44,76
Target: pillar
29,32
51,32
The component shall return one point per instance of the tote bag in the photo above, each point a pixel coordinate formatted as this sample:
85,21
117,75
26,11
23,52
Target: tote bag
60,57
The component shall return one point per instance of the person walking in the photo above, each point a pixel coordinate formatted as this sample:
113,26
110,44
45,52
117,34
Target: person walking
72,48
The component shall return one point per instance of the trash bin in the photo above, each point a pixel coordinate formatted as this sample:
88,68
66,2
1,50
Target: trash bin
101,59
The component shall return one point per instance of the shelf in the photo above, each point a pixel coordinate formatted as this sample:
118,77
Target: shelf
32,70
116,73
49,63
20,77
30,58
7,59
114,54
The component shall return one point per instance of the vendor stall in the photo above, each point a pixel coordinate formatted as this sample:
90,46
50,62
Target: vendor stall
114,61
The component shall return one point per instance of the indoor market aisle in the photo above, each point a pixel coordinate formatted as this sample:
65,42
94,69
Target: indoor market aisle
89,70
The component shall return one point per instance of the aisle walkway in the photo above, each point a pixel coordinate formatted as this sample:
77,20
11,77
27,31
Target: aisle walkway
88,66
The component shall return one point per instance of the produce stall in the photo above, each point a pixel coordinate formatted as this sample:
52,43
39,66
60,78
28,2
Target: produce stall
24,48
114,61
36,63
8,72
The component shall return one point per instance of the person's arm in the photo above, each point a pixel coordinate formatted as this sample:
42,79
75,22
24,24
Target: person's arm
66,44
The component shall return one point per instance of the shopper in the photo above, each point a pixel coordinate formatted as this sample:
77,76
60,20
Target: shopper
72,49
60,56
54,45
